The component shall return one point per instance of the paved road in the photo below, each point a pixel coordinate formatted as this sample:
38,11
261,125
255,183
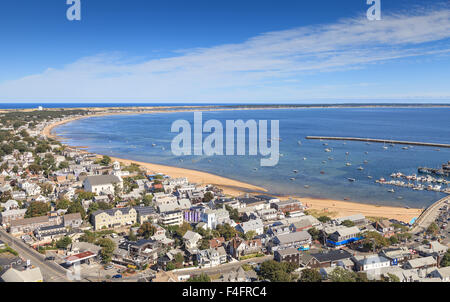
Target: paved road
429,215
224,267
51,271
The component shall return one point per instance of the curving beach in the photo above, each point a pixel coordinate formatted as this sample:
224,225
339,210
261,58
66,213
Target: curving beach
334,208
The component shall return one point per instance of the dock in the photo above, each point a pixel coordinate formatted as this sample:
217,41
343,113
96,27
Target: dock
382,141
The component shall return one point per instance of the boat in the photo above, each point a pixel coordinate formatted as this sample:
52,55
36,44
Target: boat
405,148
255,169
330,158
325,144
360,168
327,150
304,158
292,178
348,164
324,161
153,145
407,207
391,191
366,162
322,172
295,171
369,177
306,186
299,143
385,148
347,153
351,179
366,152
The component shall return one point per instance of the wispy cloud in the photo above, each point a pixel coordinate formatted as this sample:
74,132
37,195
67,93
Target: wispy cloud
261,68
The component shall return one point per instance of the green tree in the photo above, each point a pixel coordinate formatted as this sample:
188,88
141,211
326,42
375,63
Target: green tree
105,161
62,204
342,275
432,229
147,200
64,242
234,214
200,278
146,230
36,209
446,259
348,223
208,197
310,275
226,231
249,235
315,233
76,207
277,271
324,219
107,250
132,236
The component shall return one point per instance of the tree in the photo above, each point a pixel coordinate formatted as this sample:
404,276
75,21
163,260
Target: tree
105,161
64,165
107,250
36,209
64,242
76,207
342,275
249,235
348,223
182,229
432,229
324,219
62,204
277,271
147,200
375,240
310,275
315,233
446,259
199,278
226,231
146,230
392,278
132,236
234,214
208,197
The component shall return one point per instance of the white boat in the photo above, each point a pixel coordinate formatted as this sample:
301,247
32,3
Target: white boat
351,179
295,171
327,150
360,168
348,164
304,158
391,191
292,178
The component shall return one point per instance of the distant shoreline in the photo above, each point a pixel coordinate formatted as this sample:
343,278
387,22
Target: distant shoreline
336,208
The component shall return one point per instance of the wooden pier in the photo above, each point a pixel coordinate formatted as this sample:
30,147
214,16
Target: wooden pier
382,141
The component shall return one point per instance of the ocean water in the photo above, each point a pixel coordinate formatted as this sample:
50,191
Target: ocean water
132,136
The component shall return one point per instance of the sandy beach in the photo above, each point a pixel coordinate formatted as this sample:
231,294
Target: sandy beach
333,208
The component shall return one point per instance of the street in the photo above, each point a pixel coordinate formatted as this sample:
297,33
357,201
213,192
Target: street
51,272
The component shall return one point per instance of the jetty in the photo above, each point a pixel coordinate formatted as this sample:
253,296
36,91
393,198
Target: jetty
382,141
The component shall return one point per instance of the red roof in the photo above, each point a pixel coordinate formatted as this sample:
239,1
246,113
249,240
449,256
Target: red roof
80,256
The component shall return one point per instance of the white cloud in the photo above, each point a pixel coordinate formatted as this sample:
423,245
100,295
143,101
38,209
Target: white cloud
265,67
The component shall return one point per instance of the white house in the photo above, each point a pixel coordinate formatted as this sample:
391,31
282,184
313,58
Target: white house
191,239
255,225
212,257
370,262
102,184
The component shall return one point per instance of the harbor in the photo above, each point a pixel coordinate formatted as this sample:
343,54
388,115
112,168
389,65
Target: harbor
382,141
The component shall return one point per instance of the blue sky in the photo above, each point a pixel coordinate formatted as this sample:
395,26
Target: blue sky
224,51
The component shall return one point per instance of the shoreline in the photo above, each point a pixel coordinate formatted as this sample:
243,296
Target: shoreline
334,208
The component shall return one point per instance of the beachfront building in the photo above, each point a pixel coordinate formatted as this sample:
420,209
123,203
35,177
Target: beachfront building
213,218
113,218
102,184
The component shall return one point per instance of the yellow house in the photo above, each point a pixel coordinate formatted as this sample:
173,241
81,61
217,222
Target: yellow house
113,218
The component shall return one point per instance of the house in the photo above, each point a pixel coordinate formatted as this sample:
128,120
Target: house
27,275
145,214
434,248
292,255
30,224
211,257
304,223
238,275
239,247
344,235
421,263
328,259
213,218
288,206
441,273
191,239
216,242
51,232
385,227
163,276
113,218
72,220
268,214
397,256
11,215
10,205
357,219
102,184
279,229
255,225
370,262
299,240
172,218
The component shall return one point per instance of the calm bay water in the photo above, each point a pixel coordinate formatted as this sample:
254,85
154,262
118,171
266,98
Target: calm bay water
132,136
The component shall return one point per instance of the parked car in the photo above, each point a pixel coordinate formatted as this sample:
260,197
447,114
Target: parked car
118,276
108,267
50,258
